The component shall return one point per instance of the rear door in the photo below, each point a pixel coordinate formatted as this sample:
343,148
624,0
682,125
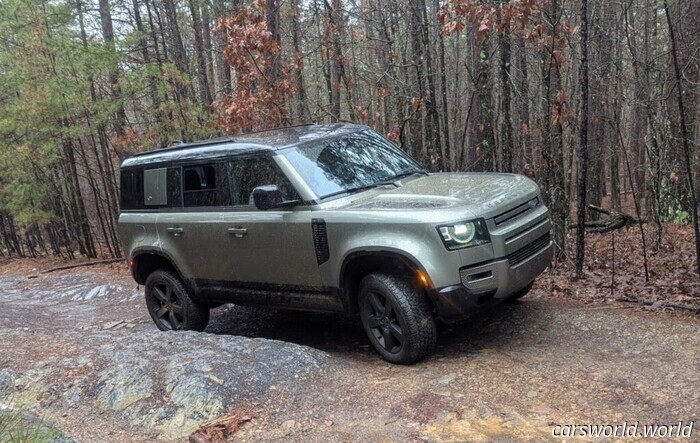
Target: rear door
193,232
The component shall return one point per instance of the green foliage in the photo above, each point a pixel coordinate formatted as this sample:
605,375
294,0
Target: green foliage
677,215
16,426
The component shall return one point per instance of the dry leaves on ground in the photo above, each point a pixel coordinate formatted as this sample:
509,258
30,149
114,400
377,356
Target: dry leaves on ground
218,430
617,272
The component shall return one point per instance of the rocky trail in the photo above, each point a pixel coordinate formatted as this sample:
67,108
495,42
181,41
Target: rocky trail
78,350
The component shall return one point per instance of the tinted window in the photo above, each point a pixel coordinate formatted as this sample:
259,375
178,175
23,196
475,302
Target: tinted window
247,174
205,185
131,188
200,178
175,187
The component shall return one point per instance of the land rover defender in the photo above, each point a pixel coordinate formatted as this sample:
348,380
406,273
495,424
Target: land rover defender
327,218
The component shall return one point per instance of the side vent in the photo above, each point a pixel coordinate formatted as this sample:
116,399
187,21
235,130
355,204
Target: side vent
318,228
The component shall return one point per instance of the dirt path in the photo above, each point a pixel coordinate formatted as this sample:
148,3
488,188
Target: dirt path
79,350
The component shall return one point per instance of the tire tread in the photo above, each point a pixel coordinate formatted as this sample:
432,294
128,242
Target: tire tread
421,331
196,314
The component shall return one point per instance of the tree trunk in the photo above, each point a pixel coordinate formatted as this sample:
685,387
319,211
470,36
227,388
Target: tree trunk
506,120
334,56
206,40
178,50
114,72
223,71
555,187
448,162
435,149
583,146
685,137
203,80
302,106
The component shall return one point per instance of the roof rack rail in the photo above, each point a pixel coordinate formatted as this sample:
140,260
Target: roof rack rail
299,125
179,144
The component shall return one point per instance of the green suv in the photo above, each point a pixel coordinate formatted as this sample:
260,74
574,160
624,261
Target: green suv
327,218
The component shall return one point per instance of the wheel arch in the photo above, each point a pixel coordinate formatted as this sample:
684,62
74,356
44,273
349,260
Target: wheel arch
144,261
358,264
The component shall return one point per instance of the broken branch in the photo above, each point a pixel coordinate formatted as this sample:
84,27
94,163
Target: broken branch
80,265
616,220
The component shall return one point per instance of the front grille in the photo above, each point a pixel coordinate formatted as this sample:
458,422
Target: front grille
528,251
518,211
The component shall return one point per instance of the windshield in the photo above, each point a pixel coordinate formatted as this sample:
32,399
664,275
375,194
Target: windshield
349,163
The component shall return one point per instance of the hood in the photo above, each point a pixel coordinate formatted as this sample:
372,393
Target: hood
484,194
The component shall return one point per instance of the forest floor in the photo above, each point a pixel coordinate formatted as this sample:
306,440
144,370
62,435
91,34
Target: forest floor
78,350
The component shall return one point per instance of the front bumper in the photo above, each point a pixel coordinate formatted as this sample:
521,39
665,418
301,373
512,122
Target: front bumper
490,283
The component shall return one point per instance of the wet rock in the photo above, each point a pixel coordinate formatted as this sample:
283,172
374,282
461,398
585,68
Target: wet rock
173,382
196,394
7,381
445,380
124,384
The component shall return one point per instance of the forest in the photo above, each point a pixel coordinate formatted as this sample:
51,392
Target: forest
596,100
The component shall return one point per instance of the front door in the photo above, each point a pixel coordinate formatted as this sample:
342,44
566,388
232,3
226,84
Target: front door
273,248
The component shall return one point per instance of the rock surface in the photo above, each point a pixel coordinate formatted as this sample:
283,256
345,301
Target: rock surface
166,384
79,350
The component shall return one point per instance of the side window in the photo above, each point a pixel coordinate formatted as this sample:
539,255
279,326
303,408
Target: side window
205,185
155,190
247,174
200,178
175,187
131,188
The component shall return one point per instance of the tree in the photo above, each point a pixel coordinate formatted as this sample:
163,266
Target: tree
262,82
685,137
462,85
583,146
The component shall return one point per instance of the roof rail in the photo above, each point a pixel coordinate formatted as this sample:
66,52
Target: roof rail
179,144
300,125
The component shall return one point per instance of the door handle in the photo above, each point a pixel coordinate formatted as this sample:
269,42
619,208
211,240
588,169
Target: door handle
176,230
238,232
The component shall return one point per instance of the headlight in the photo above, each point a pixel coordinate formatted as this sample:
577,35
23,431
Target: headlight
464,234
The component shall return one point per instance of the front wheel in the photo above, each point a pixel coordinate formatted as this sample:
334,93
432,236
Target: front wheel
397,318
170,306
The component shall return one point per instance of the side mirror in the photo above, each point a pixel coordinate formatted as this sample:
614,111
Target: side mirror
269,197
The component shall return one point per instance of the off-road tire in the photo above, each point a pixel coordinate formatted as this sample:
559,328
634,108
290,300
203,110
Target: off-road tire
170,305
521,293
412,314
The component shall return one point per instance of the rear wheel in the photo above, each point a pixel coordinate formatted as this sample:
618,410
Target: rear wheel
170,306
397,318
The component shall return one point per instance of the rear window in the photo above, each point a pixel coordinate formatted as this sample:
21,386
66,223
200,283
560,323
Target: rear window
151,188
131,189
217,184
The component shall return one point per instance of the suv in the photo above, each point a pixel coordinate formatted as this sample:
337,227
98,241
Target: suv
327,218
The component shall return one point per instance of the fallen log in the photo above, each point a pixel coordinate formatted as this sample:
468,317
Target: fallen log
658,304
80,265
615,220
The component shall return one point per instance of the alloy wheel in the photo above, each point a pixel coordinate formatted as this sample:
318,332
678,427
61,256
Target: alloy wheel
166,307
384,322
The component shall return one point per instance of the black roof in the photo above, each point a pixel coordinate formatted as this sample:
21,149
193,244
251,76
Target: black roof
269,140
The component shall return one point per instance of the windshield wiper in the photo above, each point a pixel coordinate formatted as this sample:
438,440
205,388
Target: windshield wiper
409,173
391,181
361,188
